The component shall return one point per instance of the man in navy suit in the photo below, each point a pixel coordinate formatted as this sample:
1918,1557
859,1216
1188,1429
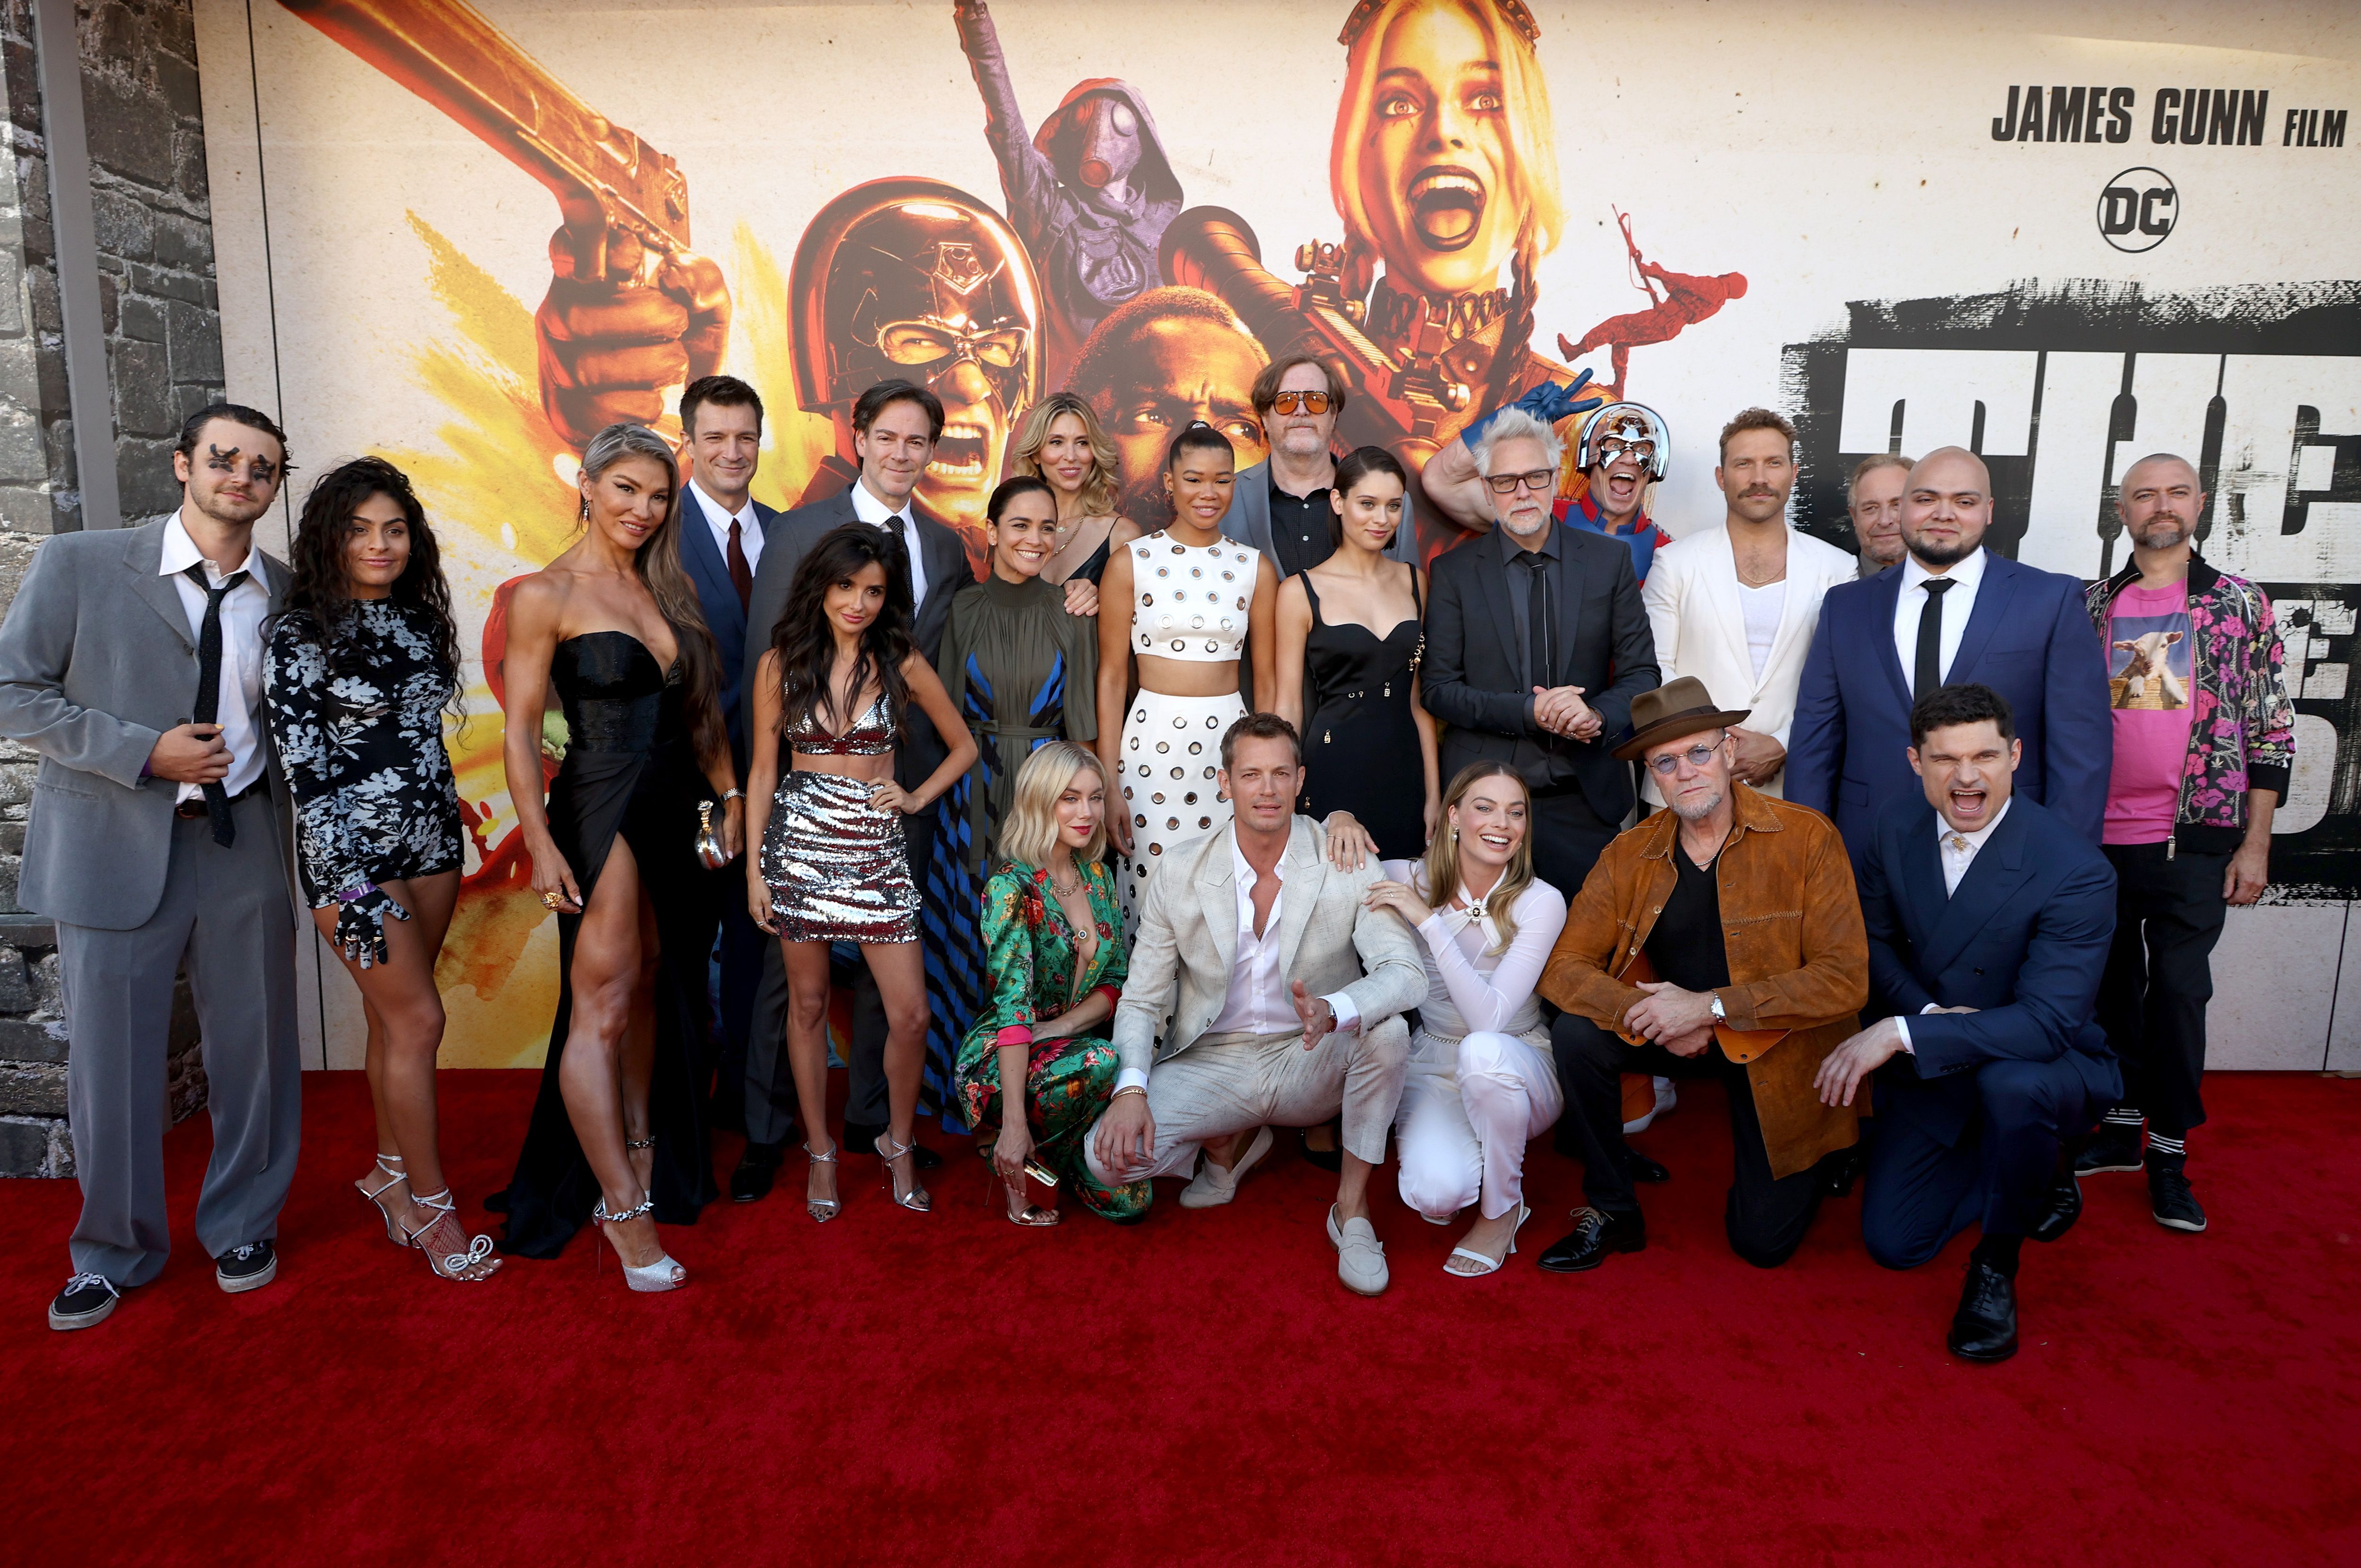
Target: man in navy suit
722,534
1989,919
1951,613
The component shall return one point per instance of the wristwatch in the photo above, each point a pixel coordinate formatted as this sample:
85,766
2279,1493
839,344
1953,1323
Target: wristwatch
1718,1016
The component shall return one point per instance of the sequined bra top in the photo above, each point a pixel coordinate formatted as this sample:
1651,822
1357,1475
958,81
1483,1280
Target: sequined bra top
1188,601
871,735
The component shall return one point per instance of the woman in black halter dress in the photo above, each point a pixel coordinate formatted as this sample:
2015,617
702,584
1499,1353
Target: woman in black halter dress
619,1128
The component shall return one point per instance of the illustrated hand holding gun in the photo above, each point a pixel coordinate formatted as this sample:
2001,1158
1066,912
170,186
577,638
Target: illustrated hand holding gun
631,311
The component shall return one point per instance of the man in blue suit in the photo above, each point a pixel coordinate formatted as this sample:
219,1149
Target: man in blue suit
1989,919
721,537
1952,612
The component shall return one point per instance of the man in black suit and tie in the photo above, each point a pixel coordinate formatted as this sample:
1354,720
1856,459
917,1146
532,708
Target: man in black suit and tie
1536,643
1989,917
895,427
721,545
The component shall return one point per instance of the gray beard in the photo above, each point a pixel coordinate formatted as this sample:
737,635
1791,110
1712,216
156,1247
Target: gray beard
1700,812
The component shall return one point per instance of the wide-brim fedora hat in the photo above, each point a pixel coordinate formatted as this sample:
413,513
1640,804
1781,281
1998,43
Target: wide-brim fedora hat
1680,707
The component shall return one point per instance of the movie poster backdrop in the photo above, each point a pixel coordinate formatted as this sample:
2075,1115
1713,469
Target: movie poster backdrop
466,237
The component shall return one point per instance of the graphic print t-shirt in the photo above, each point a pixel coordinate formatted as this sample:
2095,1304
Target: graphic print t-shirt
2148,682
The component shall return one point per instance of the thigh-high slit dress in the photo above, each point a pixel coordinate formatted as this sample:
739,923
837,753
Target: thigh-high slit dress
631,772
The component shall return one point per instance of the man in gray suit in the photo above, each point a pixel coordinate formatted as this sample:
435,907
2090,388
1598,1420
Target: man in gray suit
1280,505
132,662
1284,993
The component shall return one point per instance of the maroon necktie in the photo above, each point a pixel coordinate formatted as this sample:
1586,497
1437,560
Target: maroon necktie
742,577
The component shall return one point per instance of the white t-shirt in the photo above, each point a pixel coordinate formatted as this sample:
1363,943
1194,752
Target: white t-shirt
1762,606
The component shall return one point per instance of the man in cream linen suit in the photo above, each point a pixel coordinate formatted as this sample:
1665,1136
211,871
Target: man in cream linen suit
1279,993
1734,606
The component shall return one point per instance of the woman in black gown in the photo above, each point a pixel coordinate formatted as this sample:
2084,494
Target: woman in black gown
619,1133
1351,689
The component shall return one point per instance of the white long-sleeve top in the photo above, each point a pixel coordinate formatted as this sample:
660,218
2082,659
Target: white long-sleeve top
1469,986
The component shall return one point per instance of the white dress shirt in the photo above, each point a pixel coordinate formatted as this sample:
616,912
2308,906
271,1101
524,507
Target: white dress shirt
749,532
242,614
1958,603
1958,851
872,511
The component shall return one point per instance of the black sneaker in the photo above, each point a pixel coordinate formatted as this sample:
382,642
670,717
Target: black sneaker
85,1302
2176,1208
247,1267
2112,1147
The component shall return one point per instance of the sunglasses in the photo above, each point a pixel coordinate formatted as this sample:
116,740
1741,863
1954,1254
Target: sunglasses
1697,757
1543,480
1310,402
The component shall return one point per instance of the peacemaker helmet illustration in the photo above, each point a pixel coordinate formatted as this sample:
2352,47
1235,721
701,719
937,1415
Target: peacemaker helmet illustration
1631,424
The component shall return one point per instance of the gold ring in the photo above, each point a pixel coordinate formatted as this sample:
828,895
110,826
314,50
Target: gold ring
550,900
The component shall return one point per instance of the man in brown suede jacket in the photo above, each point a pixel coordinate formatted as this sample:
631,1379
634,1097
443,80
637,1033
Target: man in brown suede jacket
1720,938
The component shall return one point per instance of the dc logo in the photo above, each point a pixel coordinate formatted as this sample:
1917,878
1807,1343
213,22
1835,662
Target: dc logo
2137,209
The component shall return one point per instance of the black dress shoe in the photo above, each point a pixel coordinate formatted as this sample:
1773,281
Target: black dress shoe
1330,1159
247,1267
2168,1198
1841,1170
1595,1235
86,1301
2112,1147
1642,1168
2061,1207
861,1138
757,1168
1984,1328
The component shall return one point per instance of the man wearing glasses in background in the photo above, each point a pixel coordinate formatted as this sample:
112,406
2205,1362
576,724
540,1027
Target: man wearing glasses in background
1280,505
1536,643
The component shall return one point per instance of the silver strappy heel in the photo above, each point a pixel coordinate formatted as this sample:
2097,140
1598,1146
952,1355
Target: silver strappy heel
916,1199
450,1265
392,1226
822,1210
663,1273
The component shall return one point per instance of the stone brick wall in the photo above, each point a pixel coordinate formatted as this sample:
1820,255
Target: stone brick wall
161,316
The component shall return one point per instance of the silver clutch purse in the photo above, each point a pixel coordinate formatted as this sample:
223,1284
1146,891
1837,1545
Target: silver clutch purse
708,843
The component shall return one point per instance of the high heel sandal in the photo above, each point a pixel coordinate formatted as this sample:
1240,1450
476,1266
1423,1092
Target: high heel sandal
1032,1216
1489,1265
822,1210
916,1199
663,1273
392,1226
450,1264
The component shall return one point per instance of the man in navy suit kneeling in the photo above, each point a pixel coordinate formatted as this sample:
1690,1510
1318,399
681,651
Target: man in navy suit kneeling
1989,919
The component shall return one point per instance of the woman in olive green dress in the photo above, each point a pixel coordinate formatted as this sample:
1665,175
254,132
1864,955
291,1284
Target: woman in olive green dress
1053,947
1021,672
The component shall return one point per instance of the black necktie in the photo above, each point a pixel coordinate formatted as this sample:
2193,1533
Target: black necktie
209,673
742,577
1537,621
1930,638
898,528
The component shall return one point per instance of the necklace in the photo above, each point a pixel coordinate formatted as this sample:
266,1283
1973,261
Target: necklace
1065,889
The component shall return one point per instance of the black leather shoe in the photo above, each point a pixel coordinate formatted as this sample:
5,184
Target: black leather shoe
1841,1170
1642,1168
1330,1159
86,1301
247,1267
2111,1148
2169,1199
861,1138
2061,1207
757,1168
1984,1328
1595,1235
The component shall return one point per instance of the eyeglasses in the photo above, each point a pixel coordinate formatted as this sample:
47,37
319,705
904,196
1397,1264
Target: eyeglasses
1544,479
1310,402
1696,756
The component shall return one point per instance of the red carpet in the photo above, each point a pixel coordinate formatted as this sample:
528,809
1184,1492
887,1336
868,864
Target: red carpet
902,1388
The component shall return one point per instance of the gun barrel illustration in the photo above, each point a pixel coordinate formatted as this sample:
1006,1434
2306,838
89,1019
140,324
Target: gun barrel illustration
449,55
1215,249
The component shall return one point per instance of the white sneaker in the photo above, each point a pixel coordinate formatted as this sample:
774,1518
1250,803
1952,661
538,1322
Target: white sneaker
1665,1100
1213,1185
1360,1256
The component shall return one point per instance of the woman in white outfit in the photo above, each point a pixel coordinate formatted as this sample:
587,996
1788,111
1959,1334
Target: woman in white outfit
1197,603
1481,1080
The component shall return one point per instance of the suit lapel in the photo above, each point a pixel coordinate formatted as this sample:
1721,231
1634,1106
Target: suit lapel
1884,599
144,560
1302,874
1792,612
1729,606
1495,586
1569,605
708,569
1992,878
1217,904
1991,608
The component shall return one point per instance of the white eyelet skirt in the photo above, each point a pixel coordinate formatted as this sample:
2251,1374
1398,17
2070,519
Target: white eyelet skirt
1172,746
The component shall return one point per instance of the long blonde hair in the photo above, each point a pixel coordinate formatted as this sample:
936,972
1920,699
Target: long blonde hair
1029,834
1442,864
668,582
1025,452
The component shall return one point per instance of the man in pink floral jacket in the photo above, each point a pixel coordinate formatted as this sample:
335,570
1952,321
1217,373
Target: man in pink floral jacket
2204,743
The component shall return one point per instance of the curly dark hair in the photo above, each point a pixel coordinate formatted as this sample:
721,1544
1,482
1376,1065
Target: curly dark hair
806,642
322,592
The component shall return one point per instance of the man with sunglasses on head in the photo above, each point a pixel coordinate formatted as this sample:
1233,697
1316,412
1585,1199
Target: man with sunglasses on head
1536,643
1281,505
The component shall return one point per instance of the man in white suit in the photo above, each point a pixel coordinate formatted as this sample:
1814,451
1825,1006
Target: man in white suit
1279,993
1734,606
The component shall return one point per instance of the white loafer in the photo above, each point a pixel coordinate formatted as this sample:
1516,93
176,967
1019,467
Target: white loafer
1361,1257
1213,1185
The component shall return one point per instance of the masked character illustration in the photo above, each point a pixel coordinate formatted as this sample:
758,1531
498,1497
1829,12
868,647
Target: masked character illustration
915,278
1090,192
1165,358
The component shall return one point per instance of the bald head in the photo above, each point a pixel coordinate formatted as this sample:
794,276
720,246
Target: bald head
1946,507
2161,503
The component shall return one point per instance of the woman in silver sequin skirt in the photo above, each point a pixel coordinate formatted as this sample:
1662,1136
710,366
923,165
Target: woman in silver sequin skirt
829,693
